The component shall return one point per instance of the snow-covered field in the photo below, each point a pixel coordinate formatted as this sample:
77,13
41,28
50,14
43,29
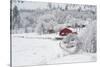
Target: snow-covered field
29,49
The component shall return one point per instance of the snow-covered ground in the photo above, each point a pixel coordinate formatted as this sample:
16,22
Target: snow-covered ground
29,49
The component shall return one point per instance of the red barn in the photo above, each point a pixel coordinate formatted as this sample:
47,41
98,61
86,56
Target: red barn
65,32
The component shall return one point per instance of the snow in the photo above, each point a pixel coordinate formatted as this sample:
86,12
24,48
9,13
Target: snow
38,51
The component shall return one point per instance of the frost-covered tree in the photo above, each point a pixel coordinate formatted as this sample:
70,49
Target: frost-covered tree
40,28
70,43
15,12
60,17
46,22
66,7
88,38
50,5
16,24
79,9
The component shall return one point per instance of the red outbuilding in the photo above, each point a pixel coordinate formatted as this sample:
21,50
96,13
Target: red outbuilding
65,32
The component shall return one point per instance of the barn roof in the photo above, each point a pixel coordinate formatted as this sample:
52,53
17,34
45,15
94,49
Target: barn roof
65,31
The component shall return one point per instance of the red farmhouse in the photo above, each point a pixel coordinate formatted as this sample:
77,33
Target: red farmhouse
65,32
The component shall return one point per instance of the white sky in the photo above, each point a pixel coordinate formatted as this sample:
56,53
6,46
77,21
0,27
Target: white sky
32,5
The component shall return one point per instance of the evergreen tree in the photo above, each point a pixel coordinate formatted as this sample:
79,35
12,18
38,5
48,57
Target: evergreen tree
50,5
16,18
66,7
15,12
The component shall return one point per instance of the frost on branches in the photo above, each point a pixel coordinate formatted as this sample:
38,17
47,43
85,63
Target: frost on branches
88,37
